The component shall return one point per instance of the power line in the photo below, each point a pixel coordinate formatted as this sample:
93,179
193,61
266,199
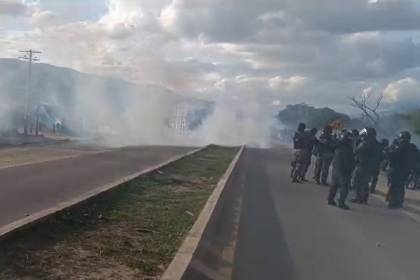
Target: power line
30,57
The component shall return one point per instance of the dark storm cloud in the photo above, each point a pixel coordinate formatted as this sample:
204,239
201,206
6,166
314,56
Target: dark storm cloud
358,15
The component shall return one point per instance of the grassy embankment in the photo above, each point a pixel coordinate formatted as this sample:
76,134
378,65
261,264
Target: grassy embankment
132,232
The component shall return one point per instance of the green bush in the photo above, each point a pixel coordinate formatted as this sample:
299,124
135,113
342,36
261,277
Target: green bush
415,120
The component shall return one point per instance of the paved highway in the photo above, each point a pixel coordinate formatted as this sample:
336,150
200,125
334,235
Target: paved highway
287,231
30,188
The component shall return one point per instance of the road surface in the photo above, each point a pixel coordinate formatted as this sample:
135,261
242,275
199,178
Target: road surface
287,231
30,188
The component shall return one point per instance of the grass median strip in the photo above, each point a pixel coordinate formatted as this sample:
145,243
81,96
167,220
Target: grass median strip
131,232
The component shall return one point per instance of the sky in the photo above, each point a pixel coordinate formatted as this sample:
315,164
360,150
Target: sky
273,52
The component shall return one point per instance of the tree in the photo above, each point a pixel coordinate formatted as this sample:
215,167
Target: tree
368,107
415,120
313,117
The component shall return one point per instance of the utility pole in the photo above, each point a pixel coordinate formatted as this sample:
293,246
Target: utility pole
29,56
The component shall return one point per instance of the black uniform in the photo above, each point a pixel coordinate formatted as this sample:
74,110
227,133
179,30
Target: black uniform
342,167
377,164
300,159
402,159
310,142
324,156
368,154
414,177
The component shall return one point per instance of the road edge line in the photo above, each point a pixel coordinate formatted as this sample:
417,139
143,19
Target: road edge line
183,257
36,217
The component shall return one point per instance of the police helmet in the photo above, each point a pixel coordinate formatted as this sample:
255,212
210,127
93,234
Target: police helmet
368,132
404,137
301,126
345,135
385,142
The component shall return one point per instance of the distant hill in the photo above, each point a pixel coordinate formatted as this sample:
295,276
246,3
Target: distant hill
313,117
78,98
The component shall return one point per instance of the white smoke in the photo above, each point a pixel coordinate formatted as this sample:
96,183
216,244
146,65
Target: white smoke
117,113
236,122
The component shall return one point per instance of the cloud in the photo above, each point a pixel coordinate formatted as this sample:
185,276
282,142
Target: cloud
403,92
13,8
357,15
319,51
44,18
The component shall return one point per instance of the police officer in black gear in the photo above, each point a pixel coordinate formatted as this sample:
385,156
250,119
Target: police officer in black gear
299,161
324,156
378,165
311,142
355,135
367,155
342,167
402,158
414,178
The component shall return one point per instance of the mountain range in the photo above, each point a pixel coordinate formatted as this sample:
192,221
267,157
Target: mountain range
67,94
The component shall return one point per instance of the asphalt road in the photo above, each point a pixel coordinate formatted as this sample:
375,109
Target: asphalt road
287,231
30,188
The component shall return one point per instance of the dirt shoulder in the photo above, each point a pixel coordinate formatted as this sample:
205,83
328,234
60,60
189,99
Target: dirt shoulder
29,155
132,232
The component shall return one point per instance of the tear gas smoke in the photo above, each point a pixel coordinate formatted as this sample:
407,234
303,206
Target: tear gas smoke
119,113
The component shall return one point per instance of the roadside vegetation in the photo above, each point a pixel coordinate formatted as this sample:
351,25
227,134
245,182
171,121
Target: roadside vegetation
415,120
131,232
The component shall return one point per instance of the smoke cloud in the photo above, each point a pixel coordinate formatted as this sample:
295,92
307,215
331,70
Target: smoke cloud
114,112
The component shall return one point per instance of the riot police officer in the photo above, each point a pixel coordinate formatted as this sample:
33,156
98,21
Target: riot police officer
378,165
310,142
342,167
324,155
367,154
402,158
299,162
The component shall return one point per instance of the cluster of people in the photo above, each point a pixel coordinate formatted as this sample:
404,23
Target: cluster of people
356,159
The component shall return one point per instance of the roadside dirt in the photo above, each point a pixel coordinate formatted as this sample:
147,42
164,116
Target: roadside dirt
28,155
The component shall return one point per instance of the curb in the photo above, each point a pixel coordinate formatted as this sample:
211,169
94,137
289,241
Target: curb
183,257
34,218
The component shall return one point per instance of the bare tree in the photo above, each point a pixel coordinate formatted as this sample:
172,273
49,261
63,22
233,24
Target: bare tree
369,106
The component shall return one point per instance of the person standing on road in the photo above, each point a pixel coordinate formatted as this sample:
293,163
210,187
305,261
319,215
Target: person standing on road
402,158
299,162
378,165
342,167
355,138
367,154
324,156
355,135
414,177
311,142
